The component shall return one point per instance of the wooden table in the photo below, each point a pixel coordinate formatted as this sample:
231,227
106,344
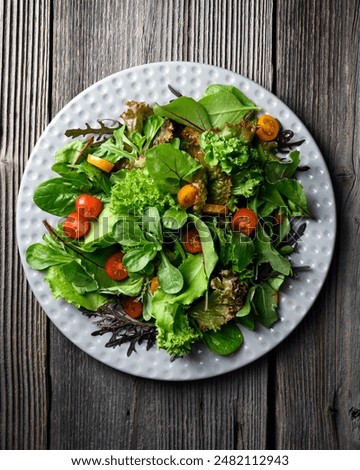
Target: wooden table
305,394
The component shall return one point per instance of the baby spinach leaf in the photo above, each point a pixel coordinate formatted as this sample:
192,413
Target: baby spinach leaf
295,195
224,107
69,152
216,88
41,256
170,278
57,195
185,111
225,341
168,166
265,305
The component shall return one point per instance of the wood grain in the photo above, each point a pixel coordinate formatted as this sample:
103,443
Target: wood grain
323,390
24,58
303,395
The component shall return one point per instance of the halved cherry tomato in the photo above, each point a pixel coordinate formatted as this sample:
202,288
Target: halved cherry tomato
191,241
268,128
154,284
76,226
244,220
100,163
132,307
88,206
115,268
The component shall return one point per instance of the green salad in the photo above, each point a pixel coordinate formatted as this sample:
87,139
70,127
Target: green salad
176,221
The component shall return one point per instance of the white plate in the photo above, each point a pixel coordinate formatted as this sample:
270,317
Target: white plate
105,99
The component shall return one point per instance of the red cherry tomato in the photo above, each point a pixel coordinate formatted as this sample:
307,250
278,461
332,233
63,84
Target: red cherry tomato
191,241
132,307
115,268
76,226
88,206
244,220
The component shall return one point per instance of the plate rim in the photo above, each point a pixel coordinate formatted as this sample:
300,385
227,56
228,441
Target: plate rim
22,248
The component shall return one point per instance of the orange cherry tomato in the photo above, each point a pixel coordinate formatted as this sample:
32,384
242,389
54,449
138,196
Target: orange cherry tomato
244,220
88,206
187,195
76,226
191,241
132,307
154,284
100,163
279,218
115,268
268,128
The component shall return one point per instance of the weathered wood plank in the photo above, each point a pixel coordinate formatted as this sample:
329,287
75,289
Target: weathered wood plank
24,72
92,405
318,77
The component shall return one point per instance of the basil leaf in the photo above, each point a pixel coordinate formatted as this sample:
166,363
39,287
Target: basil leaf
170,278
225,341
168,166
186,111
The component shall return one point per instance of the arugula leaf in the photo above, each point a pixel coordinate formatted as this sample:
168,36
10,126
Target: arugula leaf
185,111
295,195
117,147
278,170
168,166
267,253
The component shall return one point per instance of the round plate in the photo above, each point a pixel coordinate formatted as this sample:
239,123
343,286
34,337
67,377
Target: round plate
106,99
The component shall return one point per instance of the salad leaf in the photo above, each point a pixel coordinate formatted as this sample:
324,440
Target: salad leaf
144,193
207,244
168,166
131,286
57,195
117,147
217,88
225,341
174,218
278,170
170,278
137,259
69,152
185,111
41,256
267,253
61,287
224,107
81,280
265,305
